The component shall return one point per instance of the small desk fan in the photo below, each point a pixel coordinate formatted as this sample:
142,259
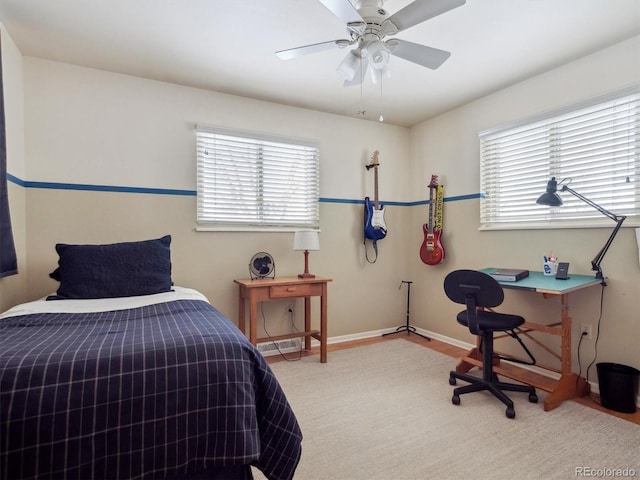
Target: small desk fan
262,265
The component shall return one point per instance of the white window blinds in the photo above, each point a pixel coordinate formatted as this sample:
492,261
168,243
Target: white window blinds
595,144
247,180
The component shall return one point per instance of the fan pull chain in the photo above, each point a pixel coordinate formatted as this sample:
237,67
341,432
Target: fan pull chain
381,118
362,111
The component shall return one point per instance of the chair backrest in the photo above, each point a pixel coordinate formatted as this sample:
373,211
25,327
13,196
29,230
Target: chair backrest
473,289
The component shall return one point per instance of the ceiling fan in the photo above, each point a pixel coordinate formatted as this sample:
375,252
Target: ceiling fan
368,24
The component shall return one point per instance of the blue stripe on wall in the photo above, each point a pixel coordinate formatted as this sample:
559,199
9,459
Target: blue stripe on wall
456,198
99,188
15,180
359,202
193,193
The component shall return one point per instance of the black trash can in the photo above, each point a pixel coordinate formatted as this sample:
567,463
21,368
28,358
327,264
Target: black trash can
618,386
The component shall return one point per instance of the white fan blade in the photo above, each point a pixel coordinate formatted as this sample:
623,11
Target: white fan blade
344,10
418,12
316,47
422,55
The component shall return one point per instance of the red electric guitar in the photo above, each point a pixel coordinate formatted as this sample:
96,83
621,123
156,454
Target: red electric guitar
431,250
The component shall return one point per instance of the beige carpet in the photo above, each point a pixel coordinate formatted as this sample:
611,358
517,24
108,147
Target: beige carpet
384,411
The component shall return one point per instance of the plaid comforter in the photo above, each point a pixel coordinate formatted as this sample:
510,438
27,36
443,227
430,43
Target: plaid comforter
158,391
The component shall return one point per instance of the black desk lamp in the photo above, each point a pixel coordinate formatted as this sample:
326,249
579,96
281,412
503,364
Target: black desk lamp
551,198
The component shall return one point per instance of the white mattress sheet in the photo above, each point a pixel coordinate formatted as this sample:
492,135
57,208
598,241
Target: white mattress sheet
102,304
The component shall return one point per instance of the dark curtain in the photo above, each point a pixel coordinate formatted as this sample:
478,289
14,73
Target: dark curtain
8,259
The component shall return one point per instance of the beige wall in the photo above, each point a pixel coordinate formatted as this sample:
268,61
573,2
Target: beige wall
91,127
85,126
13,289
448,146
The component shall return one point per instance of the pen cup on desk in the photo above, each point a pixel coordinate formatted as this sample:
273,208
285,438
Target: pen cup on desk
550,265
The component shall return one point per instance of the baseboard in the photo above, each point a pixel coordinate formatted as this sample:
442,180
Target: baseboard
379,333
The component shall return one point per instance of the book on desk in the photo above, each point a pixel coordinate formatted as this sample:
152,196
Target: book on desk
508,274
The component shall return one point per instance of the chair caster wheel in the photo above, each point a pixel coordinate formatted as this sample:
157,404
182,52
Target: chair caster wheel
511,413
455,399
533,398
452,380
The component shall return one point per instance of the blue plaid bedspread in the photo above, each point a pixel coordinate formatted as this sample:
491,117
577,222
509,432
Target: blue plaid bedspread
158,391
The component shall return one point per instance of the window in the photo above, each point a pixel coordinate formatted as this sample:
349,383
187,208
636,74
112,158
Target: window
250,181
595,144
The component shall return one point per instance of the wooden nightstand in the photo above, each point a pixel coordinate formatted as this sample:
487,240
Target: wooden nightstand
265,289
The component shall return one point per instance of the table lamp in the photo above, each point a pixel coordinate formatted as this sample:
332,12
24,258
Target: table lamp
305,240
551,198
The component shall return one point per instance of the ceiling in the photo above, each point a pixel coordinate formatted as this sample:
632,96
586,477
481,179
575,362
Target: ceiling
228,46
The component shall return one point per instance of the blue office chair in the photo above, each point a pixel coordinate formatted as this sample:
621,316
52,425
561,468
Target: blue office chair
478,290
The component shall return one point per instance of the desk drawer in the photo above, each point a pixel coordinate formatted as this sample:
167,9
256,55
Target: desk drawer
288,291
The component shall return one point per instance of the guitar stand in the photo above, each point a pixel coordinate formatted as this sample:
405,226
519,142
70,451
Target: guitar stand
408,327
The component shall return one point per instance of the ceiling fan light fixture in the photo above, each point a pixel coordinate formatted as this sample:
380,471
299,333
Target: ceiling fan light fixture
350,66
378,54
378,74
367,26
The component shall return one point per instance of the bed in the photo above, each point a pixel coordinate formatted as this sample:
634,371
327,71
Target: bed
159,385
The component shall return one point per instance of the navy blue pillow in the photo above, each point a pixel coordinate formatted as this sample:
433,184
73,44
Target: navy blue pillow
116,270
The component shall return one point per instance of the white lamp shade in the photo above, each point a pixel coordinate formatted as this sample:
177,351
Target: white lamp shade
306,240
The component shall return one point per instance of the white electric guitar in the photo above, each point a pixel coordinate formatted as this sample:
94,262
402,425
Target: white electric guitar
374,226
